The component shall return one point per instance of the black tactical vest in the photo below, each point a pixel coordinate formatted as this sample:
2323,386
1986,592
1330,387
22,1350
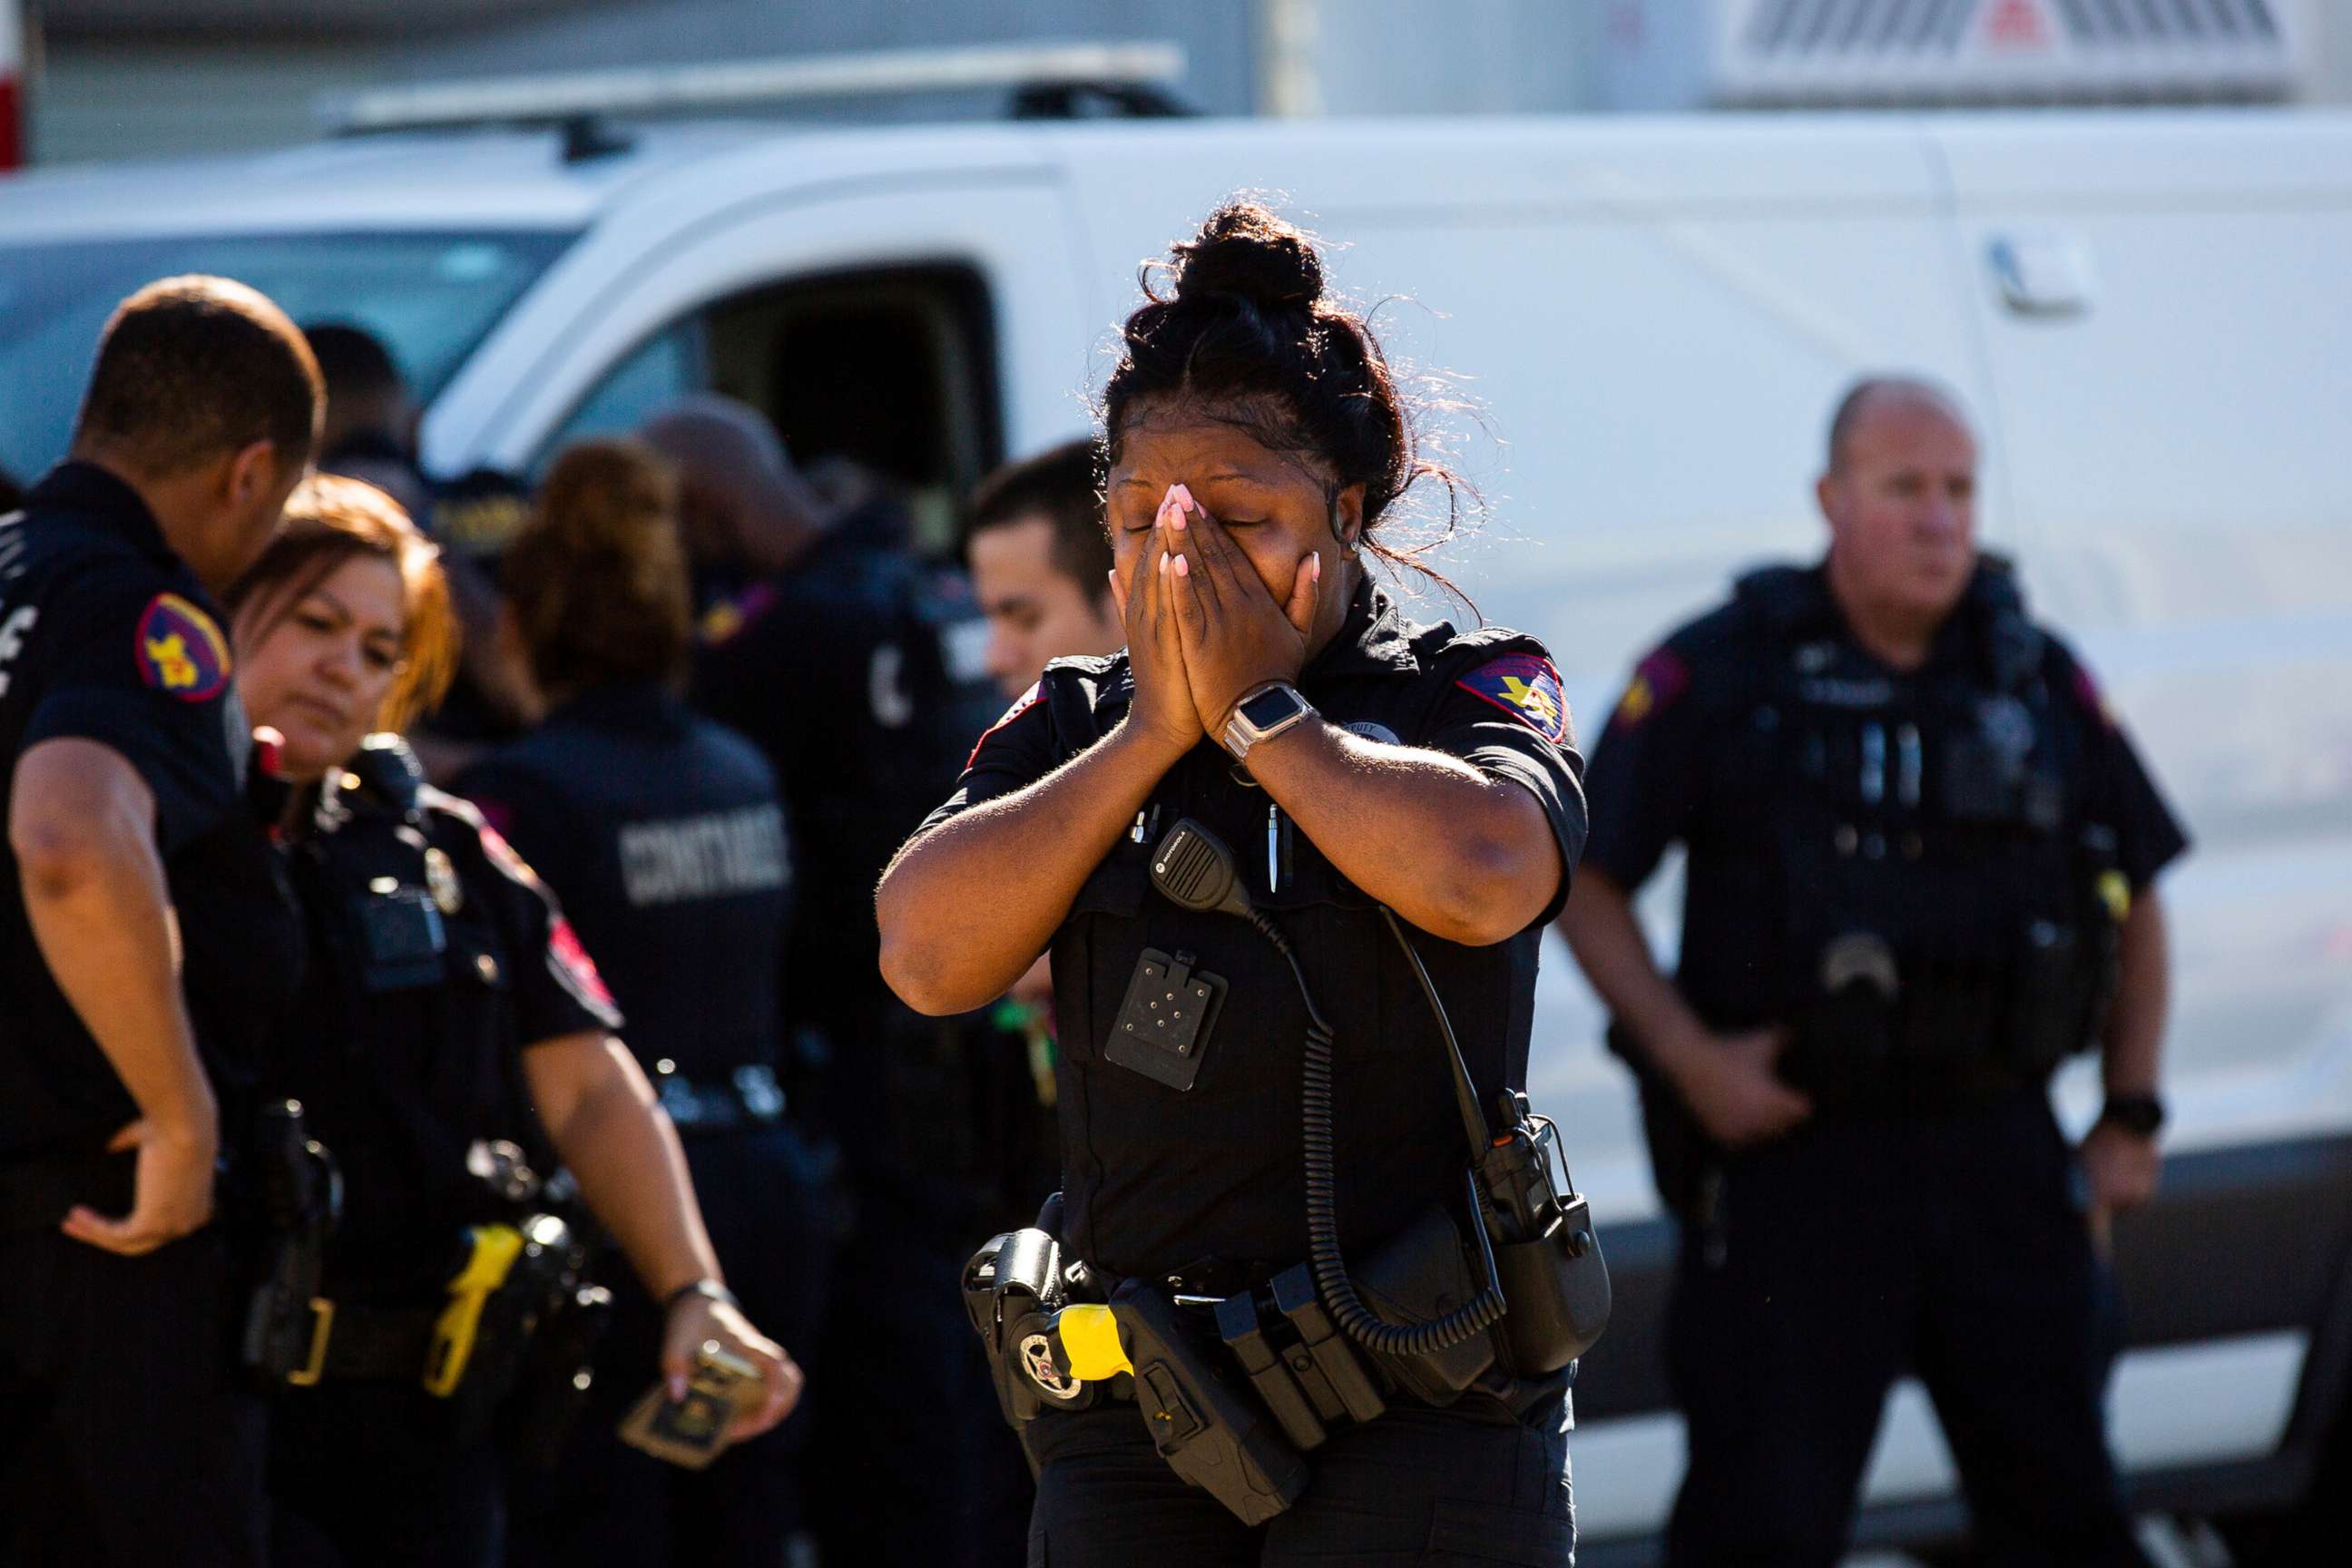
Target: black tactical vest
405,1056
1935,882
1158,1181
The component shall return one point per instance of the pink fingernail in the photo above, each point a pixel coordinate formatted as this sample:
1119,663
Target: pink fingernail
1315,567
1184,501
1184,568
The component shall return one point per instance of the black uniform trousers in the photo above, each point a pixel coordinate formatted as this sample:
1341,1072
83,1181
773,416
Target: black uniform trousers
766,1201
126,1437
1416,1488
1950,1246
369,1474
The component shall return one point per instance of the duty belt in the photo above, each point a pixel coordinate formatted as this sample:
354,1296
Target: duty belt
749,1096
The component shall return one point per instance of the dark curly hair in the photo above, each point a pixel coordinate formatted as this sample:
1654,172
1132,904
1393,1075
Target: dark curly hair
1248,333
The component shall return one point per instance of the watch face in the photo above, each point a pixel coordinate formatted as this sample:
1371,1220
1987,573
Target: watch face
1269,708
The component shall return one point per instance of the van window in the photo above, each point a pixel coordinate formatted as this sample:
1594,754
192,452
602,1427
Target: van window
431,298
888,369
663,368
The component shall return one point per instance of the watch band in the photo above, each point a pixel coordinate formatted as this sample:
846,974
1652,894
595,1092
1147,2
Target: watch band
1242,732
703,1286
2141,1114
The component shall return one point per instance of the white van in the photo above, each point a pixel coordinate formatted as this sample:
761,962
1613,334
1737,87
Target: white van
2148,313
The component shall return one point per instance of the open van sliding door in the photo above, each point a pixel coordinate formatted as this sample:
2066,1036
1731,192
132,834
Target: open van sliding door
2165,332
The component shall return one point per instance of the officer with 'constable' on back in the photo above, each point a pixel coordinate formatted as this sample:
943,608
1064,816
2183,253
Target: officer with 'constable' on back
1921,866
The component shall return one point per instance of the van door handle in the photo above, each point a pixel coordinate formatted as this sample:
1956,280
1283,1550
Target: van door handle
2042,273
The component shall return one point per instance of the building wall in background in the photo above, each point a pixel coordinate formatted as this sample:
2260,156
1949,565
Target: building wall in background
111,93
124,78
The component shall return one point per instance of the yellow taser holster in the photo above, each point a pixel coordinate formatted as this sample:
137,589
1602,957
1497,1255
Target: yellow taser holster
492,1251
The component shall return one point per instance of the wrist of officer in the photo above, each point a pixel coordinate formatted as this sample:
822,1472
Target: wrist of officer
705,1288
1681,1052
2139,1113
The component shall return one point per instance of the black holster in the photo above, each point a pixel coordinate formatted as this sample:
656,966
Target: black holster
556,1379
1547,1254
544,1275
298,1198
1210,1433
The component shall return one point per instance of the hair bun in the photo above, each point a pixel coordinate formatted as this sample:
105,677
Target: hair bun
1246,249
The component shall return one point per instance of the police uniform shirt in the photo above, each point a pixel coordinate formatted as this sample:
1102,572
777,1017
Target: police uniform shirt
662,833
1158,1179
106,636
837,671
438,958
1693,751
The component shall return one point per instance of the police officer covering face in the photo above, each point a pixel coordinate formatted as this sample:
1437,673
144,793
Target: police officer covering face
144,947
1273,695
1921,857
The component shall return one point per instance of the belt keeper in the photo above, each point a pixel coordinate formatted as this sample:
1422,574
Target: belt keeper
322,1325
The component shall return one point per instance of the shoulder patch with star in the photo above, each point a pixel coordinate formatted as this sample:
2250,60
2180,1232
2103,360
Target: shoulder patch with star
1526,687
1657,681
723,620
180,651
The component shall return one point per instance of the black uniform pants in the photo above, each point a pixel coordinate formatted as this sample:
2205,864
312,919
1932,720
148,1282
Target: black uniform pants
765,1198
126,1439
1416,1487
1851,1252
900,1388
371,1475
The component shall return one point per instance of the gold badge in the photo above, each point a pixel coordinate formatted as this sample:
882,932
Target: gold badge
441,881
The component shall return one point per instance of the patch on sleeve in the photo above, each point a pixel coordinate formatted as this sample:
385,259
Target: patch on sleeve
498,816
1657,681
179,650
570,964
1527,689
1020,705
728,616
503,856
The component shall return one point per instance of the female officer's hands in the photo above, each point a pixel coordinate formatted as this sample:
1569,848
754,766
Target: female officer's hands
1163,709
697,1319
1234,634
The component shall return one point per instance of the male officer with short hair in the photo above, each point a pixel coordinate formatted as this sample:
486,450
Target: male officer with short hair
1921,866
1041,564
143,943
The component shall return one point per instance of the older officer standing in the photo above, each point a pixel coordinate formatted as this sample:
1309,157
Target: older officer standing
1921,867
144,945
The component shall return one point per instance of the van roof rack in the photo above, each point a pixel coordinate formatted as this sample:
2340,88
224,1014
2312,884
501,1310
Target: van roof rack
1047,80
